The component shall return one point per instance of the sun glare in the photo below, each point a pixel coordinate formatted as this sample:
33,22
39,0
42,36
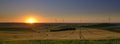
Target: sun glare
31,20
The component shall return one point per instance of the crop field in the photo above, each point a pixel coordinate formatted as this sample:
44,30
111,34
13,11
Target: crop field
60,33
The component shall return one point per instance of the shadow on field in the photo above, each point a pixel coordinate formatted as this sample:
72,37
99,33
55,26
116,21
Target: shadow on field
15,29
63,29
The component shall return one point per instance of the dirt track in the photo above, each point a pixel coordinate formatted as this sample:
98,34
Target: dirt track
84,34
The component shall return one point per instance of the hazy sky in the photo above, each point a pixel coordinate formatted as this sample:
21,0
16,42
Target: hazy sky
60,10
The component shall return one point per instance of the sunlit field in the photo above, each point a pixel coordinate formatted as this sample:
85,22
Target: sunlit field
60,33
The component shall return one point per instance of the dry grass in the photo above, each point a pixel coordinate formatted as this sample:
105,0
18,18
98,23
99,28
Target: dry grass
86,34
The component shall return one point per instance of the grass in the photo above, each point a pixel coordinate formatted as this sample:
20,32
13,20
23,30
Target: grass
112,41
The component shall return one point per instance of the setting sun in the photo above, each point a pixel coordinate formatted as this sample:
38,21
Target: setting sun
31,20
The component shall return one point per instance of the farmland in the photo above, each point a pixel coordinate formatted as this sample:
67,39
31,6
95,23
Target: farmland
66,33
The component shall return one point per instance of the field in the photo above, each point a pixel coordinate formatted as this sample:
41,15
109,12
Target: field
112,41
60,33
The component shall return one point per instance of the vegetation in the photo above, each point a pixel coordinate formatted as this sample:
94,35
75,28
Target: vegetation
113,41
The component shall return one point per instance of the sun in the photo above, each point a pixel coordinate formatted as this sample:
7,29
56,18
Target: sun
31,20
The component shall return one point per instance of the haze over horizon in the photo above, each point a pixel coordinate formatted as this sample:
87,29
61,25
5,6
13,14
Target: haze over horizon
71,11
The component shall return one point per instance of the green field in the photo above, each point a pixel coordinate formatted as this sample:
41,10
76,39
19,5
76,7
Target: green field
113,41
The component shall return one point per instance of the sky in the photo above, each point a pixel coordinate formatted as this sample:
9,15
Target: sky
70,11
